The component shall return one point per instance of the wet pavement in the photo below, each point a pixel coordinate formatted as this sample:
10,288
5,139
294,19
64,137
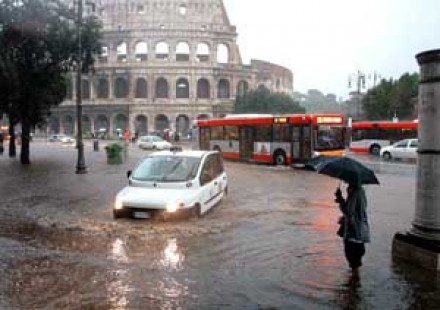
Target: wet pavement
271,244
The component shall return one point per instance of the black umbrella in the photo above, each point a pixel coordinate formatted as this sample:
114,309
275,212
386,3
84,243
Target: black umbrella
344,168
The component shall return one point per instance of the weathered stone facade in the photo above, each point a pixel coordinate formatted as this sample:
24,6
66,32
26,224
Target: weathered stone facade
164,64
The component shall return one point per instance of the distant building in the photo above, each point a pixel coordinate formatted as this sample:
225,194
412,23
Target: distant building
163,65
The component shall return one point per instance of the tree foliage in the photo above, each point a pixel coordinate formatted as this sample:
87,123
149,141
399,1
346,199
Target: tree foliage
392,97
38,46
262,100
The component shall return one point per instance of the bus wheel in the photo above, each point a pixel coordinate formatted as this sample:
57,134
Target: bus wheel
279,158
375,149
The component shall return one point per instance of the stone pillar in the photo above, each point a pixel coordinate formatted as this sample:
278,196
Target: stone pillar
421,245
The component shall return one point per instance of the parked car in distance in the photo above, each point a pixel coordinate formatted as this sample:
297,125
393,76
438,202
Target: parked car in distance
153,142
61,138
167,183
404,149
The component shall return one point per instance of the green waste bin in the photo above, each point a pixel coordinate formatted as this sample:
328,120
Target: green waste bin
114,154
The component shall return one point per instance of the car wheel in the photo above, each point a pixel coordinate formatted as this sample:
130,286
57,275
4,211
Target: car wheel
117,214
197,210
375,149
387,156
280,158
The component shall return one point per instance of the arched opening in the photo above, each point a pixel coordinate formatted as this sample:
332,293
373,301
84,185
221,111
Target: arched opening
182,88
121,51
222,53
121,88
54,125
86,125
141,125
182,125
103,89
102,125
161,123
223,89
182,52
203,89
141,51
242,88
162,51
85,89
68,125
141,88
161,88
121,124
183,9
203,52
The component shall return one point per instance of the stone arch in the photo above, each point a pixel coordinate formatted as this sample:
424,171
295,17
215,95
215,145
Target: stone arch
203,89
121,52
162,88
141,51
182,88
141,88
223,91
162,51
222,53
102,88
203,52
85,89
101,122
242,88
182,51
54,125
141,125
121,123
86,125
69,125
121,87
161,122
182,125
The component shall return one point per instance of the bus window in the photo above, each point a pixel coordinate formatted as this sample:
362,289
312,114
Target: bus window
217,133
281,133
263,133
231,133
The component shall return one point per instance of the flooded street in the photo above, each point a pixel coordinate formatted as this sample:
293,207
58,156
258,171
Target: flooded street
271,244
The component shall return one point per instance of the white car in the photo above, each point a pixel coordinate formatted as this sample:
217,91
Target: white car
168,182
404,149
153,142
61,138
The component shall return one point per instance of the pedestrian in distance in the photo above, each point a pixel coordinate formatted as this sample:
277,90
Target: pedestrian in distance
354,228
1,144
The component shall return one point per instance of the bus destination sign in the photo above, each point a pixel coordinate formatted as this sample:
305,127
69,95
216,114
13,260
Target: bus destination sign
329,120
280,120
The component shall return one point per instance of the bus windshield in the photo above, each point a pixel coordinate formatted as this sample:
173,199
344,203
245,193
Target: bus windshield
329,138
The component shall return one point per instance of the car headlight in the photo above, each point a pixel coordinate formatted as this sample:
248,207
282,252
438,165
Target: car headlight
118,204
173,207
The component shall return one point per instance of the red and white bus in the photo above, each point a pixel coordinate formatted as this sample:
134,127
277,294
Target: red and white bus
280,140
371,136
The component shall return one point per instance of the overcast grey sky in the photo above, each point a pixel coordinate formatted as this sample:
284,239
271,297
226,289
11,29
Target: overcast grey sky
324,41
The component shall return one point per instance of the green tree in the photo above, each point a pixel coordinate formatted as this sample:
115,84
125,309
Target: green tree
392,97
38,43
262,100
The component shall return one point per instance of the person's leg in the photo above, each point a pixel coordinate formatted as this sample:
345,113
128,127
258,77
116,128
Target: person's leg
353,253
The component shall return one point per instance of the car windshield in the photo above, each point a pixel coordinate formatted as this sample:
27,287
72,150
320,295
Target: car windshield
167,169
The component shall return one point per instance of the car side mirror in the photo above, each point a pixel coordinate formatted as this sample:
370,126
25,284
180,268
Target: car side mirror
128,174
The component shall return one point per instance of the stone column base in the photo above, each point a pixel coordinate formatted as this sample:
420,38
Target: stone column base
416,250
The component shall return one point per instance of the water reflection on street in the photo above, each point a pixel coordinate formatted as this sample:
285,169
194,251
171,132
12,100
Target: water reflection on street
271,244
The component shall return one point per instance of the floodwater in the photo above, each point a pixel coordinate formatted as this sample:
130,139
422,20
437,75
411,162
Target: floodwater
271,244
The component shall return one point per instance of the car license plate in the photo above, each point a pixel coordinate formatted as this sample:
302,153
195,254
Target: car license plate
141,215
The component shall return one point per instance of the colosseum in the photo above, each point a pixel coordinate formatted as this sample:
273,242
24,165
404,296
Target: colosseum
164,64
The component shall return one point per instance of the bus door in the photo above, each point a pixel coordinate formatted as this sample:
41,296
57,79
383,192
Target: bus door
246,142
204,137
301,143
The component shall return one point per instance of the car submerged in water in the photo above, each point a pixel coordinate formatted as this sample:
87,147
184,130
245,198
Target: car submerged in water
171,182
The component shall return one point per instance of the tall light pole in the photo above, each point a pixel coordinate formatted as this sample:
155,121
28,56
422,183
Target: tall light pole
81,163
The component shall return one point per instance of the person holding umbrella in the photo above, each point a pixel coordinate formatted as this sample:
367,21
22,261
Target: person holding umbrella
354,228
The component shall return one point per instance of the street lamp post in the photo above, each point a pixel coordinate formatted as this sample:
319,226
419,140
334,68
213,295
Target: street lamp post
81,164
